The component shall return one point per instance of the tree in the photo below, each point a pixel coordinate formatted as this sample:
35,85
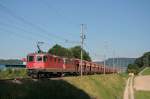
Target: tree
133,68
143,61
60,51
146,59
74,52
139,63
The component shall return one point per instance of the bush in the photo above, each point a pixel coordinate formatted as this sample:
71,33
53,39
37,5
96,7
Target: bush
13,73
133,68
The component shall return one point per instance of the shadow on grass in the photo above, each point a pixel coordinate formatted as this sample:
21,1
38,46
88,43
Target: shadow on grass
41,89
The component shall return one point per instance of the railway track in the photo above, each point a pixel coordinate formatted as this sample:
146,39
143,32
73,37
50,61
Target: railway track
15,80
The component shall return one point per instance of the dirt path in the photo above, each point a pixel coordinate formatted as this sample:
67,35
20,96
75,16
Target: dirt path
129,92
138,83
126,94
142,83
131,88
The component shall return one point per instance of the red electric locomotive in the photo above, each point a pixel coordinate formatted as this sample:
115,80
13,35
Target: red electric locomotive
43,64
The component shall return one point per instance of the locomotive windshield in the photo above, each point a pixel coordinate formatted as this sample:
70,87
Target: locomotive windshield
39,58
30,58
45,58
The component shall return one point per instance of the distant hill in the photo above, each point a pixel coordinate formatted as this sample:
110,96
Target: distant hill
11,62
123,62
118,62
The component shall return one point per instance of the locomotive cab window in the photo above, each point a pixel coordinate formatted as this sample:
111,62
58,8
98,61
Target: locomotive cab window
39,58
55,59
30,58
45,58
59,60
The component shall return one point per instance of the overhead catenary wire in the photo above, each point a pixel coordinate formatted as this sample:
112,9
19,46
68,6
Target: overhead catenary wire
27,33
58,12
92,52
48,5
22,19
16,34
18,28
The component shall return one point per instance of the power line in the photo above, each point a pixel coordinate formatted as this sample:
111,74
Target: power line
50,6
92,52
16,34
29,32
22,36
29,23
35,36
18,28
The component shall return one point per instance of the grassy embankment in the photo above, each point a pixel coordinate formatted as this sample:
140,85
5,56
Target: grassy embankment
88,87
147,71
101,86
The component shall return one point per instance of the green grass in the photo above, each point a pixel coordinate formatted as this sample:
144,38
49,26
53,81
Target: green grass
100,86
88,87
142,95
147,71
41,89
13,73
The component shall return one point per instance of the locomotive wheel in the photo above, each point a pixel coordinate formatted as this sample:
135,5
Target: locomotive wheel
35,76
60,74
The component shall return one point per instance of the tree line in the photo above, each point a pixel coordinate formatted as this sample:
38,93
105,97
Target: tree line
73,52
140,63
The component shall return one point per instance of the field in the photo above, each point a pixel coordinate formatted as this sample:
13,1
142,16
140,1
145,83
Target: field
146,72
88,87
142,95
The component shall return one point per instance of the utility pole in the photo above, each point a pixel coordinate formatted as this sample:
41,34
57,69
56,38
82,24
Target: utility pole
82,42
117,64
105,47
113,62
104,64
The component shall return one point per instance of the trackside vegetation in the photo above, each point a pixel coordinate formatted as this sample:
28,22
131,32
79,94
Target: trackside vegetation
10,73
142,95
109,86
140,63
146,72
101,86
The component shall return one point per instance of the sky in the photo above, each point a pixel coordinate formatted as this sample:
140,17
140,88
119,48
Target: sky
113,28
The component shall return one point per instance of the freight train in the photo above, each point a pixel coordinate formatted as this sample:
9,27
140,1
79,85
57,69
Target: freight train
46,65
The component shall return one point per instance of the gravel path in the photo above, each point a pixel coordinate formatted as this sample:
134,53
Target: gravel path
129,92
142,83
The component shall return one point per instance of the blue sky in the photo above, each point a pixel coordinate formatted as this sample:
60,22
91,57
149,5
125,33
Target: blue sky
113,26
